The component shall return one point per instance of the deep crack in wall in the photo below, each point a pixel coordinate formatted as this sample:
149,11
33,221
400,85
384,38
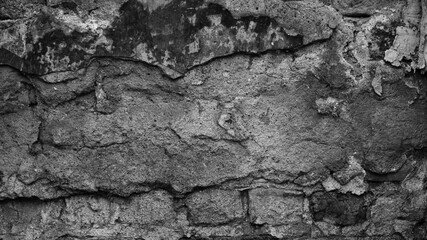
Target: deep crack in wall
214,119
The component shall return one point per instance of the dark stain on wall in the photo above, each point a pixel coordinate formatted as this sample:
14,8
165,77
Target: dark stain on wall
164,36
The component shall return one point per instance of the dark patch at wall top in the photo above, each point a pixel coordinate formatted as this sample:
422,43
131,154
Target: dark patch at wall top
175,37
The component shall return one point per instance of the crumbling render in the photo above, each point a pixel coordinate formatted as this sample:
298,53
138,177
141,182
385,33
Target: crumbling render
214,119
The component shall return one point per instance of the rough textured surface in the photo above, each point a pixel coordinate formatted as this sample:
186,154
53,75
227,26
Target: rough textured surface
65,36
215,206
215,119
271,206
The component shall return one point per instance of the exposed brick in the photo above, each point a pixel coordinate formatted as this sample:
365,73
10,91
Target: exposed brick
273,207
150,208
215,206
341,209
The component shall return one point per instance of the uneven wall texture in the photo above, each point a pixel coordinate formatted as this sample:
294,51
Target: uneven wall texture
214,119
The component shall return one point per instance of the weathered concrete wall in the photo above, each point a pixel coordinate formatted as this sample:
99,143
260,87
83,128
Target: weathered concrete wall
215,119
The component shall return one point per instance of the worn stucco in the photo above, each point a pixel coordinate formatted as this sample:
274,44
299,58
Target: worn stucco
215,119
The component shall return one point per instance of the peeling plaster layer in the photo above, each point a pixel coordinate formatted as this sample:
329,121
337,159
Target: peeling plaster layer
173,35
324,140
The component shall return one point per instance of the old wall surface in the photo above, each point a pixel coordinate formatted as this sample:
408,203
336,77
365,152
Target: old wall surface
214,119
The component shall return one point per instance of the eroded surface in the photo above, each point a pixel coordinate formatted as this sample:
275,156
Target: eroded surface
323,138
173,35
